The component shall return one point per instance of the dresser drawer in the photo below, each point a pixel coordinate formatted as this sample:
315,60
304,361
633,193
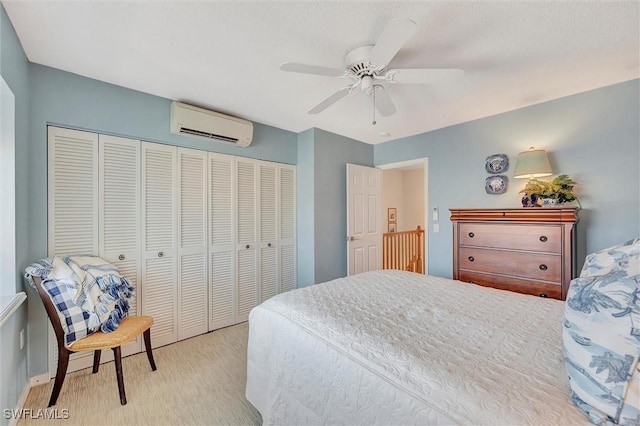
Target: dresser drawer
514,284
545,267
544,238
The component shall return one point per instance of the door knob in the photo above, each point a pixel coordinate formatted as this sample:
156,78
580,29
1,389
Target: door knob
160,254
121,257
350,238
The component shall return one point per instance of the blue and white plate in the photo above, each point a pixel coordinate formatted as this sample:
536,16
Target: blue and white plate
496,184
497,163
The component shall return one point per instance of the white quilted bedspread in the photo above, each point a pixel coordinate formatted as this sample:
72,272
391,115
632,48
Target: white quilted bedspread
392,347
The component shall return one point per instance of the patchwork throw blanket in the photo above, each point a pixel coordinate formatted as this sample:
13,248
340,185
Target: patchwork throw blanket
88,292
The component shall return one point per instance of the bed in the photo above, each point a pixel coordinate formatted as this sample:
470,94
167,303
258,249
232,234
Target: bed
395,347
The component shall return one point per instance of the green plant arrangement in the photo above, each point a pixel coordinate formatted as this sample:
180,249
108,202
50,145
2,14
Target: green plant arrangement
560,190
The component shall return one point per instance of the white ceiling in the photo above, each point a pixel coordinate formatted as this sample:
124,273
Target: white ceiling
226,55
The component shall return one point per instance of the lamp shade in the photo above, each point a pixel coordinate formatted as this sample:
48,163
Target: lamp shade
532,164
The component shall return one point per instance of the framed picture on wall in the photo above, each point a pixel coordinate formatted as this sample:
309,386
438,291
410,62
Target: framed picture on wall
391,215
392,227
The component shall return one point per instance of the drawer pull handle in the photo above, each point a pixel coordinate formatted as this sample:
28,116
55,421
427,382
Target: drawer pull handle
121,257
471,235
543,295
471,259
160,254
543,239
269,245
247,246
543,267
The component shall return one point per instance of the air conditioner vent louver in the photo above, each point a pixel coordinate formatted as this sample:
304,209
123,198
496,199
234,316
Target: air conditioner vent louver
207,135
200,122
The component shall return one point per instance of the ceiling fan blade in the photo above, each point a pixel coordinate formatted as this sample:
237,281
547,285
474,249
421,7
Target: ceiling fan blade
332,99
395,34
423,75
383,102
311,69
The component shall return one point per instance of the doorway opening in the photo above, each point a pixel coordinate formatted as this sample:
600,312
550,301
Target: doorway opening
404,200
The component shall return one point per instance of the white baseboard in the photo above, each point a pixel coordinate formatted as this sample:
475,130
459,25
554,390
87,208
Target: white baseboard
20,404
34,381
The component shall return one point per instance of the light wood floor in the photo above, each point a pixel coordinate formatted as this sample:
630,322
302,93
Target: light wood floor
199,381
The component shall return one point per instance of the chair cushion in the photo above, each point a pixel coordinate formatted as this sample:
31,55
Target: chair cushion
88,293
601,336
129,329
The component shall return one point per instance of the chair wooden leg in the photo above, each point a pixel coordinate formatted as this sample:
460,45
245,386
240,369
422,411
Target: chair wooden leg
147,345
63,363
96,360
118,359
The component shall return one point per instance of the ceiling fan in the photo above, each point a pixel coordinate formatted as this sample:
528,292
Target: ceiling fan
367,65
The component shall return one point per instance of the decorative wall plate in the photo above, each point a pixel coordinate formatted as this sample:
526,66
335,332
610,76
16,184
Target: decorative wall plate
497,163
496,184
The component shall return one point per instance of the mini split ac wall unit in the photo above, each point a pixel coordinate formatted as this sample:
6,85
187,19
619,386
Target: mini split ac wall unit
194,121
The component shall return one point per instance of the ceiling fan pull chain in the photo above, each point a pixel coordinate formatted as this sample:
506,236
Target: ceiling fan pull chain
374,108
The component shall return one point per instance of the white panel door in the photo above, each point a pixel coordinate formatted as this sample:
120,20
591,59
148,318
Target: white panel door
222,241
159,278
119,215
247,262
193,317
268,228
287,227
364,239
72,209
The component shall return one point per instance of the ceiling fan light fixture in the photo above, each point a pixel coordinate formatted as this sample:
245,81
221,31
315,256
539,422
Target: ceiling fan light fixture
365,64
367,84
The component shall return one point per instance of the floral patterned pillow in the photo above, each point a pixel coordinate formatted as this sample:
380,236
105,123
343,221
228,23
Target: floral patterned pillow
621,256
601,336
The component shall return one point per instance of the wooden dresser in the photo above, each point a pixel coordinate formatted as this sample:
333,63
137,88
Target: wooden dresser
529,250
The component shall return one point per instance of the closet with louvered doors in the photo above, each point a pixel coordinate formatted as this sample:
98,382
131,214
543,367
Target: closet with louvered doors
204,237
93,192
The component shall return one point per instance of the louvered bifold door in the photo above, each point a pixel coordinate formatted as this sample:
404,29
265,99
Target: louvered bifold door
268,225
247,262
287,227
159,277
72,192
72,208
222,241
193,316
119,216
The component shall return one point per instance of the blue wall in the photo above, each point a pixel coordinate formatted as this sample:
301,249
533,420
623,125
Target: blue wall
331,154
592,136
14,70
322,202
70,100
305,203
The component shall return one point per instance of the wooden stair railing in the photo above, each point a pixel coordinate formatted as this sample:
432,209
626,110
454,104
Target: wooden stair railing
403,250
